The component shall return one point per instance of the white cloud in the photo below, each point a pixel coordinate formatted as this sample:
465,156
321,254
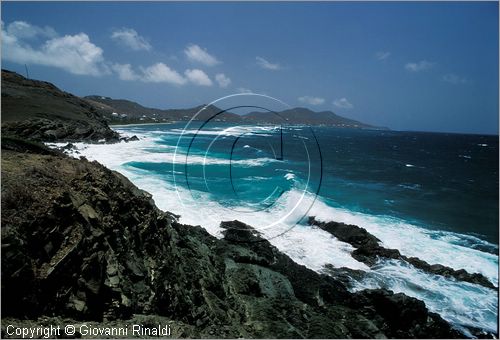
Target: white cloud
267,65
243,90
418,66
73,53
454,79
311,100
78,55
222,80
198,77
343,103
161,73
24,30
382,55
197,54
125,71
131,39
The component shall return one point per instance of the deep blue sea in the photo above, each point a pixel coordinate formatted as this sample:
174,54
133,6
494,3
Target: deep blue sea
430,195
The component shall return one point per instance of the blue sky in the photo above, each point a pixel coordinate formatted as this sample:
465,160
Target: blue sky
409,66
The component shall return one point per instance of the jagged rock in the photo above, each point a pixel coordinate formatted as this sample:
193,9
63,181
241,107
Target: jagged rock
68,146
345,275
368,250
130,139
80,241
403,315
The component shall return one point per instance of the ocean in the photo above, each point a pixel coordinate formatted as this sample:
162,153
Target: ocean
429,195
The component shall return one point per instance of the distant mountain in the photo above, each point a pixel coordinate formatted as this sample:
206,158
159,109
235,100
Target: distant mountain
305,116
125,111
59,114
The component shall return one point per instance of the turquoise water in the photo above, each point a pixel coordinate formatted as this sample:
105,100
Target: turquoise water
434,196
440,181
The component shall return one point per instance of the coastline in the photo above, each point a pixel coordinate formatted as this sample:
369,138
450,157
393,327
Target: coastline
82,242
366,254
294,285
338,275
140,124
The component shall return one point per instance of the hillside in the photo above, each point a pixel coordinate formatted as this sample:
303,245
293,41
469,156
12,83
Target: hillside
125,111
305,116
39,110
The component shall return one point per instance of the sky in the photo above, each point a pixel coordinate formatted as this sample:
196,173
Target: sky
430,66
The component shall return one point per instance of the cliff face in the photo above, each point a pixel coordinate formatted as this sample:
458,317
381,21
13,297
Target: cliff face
39,110
80,241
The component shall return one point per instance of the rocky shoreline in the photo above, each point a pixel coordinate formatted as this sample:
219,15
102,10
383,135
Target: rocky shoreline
81,243
368,251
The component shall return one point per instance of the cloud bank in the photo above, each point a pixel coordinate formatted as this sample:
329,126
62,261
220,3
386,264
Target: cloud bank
311,100
222,80
263,63
454,79
124,71
197,54
128,37
198,77
24,30
75,54
418,66
381,55
342,103
161,73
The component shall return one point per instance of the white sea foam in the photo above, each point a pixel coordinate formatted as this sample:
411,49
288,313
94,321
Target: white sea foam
428,245
115,155
230,131
458,302
432,246
306,245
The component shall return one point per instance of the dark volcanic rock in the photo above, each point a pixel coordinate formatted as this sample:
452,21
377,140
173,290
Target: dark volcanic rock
50,130
368,250
129,139
38,110
402,314
23,145
345,275
393,315
80,241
